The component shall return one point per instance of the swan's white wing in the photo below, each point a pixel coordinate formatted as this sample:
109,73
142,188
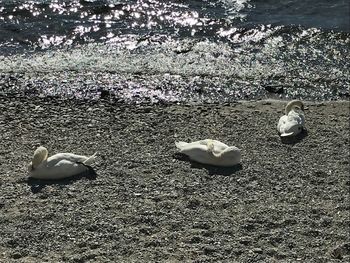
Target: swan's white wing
230,149
67,156
199,153
291,124
229,157
203,142
184,146
193,147
202,145
58,169
282,121
219,146
217,153
297,117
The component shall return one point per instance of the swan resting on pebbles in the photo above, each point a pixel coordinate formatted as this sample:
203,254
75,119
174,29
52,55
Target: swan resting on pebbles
210,152
293,122
58,166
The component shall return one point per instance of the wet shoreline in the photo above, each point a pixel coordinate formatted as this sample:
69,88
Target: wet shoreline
307,64
166,88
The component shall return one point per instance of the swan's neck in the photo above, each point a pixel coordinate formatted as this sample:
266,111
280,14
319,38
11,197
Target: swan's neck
40,156
294,104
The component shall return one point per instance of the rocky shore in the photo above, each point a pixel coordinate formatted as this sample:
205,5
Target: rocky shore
287,202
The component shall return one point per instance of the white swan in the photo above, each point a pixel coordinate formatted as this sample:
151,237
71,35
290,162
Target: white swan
58,166
210,152
293,122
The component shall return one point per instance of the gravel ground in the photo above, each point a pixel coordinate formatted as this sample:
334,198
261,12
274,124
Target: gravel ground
287,202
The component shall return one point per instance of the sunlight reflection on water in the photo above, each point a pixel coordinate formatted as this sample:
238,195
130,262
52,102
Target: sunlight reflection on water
60,23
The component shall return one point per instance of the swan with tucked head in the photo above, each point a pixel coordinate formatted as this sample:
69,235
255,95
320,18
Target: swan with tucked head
58,166
293,122
210,152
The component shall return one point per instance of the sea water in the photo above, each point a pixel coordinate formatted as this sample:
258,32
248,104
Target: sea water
150,50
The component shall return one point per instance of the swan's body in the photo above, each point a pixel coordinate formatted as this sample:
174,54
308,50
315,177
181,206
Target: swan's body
293,122
58,166
210,152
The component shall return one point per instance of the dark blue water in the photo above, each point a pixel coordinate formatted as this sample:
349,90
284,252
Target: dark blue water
59,23
251,47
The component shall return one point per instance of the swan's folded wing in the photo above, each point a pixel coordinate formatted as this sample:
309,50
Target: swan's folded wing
281,122
230,156
296,119
213,145
203,142
66,168
75,158
194,149
220,146
232,149
57,169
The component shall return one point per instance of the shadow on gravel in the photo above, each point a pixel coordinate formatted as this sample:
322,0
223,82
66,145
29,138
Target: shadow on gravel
212,170
294,139
36,185
341,252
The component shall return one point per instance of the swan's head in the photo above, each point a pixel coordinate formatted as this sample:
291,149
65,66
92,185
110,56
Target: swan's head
291,128
210,145
39,156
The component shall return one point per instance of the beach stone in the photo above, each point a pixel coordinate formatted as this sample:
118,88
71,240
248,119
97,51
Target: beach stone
145,201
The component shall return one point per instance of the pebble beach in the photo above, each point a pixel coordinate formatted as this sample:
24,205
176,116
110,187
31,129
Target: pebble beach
288,201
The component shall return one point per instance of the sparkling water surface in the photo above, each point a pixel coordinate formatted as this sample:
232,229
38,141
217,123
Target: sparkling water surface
241,48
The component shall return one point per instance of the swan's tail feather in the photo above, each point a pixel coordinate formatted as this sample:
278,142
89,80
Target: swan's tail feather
180,145
90,160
